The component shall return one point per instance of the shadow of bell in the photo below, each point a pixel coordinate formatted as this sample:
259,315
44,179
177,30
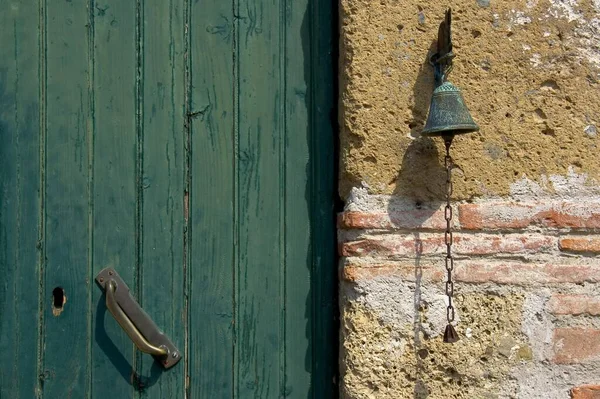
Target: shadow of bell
422,177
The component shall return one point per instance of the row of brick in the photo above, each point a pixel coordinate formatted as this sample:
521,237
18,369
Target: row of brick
571,345
402,245
496,215
394,254
575,345
586,392
475,271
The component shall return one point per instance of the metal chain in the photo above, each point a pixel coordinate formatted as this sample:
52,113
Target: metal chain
449,163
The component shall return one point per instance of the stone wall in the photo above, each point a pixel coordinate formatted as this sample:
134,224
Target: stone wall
526,210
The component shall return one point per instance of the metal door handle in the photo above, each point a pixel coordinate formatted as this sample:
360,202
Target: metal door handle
135,334
146,336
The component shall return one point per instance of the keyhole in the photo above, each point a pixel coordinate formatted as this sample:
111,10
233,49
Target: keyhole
58,301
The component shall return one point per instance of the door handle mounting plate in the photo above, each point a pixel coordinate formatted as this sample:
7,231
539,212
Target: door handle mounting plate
137,324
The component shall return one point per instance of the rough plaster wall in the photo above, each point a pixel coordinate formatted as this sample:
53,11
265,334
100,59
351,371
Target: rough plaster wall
526,299
504,351
529,73
394,358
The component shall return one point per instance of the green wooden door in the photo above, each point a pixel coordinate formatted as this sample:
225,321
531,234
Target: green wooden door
189,145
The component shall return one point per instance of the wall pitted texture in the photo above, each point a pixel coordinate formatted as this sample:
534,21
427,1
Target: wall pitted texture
529,74
527,209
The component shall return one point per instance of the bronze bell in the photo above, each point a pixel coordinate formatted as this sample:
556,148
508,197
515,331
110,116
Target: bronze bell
448,116
448,113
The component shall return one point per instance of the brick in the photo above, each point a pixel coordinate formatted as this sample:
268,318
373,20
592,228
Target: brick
586,392
580,244
512,215
393,245
396,245
406,271
576,345
429,219
484,244
518,273
560,304
477,272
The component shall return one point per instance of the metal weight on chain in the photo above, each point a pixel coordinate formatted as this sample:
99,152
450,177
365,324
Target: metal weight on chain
448,116
450,334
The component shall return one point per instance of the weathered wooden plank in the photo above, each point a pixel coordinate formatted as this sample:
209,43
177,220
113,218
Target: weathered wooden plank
19,198
260,318
162,196
299,197
67,337
113,77
212,255
261,169
310,192
323,178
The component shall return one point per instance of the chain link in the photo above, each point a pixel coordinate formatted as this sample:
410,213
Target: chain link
448,234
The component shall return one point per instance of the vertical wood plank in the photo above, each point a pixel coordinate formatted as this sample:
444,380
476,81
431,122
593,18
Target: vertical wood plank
161,276
211,301
113,74
67,335
260,320
261,169
299,196
19,198
320,52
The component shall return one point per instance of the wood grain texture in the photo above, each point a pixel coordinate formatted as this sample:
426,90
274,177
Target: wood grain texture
298,197
260,298
190,146
213,222
19,199
323,179
161,188
66,367
112,64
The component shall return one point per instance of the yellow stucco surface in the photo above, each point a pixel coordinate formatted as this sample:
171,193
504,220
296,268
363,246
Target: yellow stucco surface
387,361
528,71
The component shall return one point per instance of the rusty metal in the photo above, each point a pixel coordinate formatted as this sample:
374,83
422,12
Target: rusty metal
450,334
